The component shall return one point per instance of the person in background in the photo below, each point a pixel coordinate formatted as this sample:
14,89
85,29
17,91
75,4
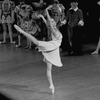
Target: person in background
75,22
26,21
98,45
7,18
18,21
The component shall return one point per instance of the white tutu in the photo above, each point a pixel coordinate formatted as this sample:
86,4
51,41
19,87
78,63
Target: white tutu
50,50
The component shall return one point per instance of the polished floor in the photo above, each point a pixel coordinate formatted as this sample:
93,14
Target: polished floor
23,75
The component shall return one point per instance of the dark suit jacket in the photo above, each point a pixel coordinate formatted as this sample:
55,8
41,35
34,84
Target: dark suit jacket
73,17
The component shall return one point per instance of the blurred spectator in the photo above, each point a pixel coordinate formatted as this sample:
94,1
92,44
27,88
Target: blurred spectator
75,21
7,18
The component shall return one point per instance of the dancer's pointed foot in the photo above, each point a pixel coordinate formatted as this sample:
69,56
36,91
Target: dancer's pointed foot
52,88
18,29
95,53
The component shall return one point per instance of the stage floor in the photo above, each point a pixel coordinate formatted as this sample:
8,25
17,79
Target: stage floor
23,75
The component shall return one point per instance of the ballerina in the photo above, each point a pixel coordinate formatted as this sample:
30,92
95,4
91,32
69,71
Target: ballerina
49,49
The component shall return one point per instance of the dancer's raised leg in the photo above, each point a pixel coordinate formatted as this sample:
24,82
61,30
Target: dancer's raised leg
29,36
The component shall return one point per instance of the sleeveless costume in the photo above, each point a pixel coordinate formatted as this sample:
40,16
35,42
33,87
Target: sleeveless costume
7,7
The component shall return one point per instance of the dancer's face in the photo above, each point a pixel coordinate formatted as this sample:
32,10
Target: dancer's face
53,21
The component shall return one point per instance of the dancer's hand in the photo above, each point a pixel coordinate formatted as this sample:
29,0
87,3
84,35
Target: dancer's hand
40,15
49,7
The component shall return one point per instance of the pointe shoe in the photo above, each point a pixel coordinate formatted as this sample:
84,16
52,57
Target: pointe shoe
52,89
94,53
18,29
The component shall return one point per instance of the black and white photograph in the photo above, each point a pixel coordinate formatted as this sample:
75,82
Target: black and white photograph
49,50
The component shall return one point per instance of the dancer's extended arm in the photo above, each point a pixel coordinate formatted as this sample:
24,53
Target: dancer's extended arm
52,23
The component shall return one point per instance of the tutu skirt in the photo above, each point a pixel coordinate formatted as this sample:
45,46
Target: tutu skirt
50,51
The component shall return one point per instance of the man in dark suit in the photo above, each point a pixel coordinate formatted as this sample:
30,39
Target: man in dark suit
75,20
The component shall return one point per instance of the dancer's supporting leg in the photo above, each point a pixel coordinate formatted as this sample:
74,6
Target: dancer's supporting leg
49,76
49,65
97,48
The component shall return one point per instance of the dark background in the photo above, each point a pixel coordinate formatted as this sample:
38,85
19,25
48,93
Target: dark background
91,13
